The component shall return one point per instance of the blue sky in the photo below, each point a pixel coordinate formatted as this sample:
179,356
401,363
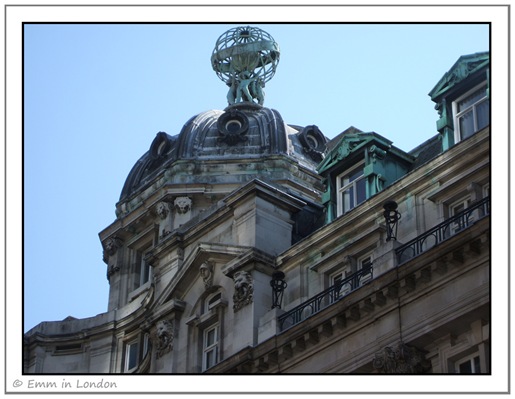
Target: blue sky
96,95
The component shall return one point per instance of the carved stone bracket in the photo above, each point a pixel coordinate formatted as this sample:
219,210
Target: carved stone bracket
243,290
112,270
164,337
402,359
182,204
162,209
206,272
111,246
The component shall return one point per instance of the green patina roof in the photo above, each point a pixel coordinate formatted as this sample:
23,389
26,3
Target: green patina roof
463,68
351,141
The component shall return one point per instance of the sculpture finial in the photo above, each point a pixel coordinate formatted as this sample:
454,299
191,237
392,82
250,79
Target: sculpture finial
245,58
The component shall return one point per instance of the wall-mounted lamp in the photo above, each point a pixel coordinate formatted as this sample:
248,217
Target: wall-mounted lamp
278,285
391,217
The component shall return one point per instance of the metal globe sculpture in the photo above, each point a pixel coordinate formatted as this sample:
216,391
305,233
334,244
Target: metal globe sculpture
245,58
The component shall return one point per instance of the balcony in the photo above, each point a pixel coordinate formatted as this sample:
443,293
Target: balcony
324,299
403,253
443,231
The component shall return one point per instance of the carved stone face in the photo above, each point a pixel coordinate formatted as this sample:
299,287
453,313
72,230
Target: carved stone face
241,279
165,337
162,210
111,246
163,328
206,272
243,289
182,204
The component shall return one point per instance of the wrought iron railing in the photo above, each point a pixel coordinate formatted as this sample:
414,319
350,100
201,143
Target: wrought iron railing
443,231
325,298
412,248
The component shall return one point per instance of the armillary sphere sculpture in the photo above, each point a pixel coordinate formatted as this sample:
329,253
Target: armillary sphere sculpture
245,58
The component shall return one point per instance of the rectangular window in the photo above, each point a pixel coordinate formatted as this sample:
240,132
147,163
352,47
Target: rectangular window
142,269
365,267
336,281
455,209
351,188
468,365
471,113
146,344
131,355
145,272
210,355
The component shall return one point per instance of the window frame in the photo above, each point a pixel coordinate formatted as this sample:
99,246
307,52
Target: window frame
457,115
340,274
468,359
464,201
352,266
127,353
144,268
360,262
210,348
341,189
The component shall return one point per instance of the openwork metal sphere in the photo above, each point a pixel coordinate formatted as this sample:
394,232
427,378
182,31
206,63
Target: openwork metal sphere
245,58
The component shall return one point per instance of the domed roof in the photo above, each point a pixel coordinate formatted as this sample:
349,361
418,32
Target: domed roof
242,131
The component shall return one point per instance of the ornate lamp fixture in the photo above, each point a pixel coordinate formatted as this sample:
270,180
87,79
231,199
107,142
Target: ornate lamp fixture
391,217
278,285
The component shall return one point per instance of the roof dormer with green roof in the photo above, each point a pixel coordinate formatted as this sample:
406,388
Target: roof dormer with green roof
462,98
357,166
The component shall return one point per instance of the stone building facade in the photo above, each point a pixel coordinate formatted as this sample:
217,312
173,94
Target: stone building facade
380,258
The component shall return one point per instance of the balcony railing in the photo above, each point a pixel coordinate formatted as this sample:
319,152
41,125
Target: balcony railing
443,231
412,248
325,298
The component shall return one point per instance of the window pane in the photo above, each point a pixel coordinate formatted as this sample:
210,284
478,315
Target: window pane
355,174
466,125
145,272
133,356
466,367
483,114
366,263
348,199
210,358
336,279
210,337
477,367
470,100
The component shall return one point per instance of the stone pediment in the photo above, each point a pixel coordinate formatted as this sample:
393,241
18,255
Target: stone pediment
463,68
348,144
190,269
351,141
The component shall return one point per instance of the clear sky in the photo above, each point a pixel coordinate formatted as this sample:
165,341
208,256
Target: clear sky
96,95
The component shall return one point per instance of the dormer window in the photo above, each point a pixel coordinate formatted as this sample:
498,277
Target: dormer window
351,188
471,112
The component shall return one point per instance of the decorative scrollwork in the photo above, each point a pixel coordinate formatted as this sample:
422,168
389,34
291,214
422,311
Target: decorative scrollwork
402,359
